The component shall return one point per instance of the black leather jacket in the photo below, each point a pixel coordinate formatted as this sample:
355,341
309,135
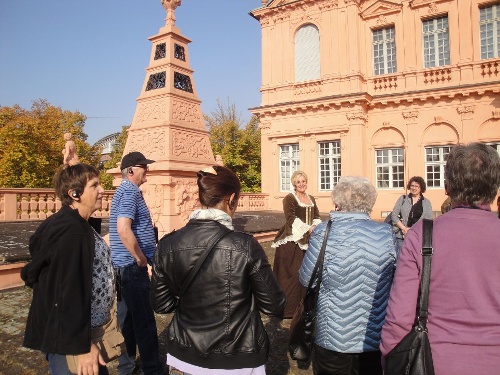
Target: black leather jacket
217,322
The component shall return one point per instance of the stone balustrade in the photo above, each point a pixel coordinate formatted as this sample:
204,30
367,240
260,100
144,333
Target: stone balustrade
38,204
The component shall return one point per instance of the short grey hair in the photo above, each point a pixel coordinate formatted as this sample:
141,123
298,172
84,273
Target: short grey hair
354,194
124,172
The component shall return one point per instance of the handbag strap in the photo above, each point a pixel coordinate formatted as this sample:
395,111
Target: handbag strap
318,267
202,258
425,280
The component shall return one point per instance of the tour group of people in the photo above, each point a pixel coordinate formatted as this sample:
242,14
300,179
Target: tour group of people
217,281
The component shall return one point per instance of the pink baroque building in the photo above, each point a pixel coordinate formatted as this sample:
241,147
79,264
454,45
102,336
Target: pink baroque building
376,88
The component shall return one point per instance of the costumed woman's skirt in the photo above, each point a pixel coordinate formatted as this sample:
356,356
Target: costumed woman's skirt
287,261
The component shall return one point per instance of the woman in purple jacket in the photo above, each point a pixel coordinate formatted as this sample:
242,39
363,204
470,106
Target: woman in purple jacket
464,297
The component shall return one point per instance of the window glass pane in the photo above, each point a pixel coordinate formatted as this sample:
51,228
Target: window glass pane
289,163
435,41
307,54
384,51
329,164
390,167
489,26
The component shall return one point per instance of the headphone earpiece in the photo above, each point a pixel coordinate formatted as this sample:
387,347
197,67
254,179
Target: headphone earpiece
130,171
75,194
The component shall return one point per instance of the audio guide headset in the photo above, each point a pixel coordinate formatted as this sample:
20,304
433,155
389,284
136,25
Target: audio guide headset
75,194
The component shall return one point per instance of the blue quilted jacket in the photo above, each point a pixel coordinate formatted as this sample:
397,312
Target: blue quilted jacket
360,257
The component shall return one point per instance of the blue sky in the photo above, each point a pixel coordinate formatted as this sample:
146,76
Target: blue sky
91,55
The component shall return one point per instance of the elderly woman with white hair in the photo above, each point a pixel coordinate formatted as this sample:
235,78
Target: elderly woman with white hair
358,267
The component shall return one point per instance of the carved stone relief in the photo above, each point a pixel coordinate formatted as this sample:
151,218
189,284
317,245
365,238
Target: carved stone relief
151,143
151,111
466,111
410,116
433,8
380,9
357,115
190,145
430,3
186,197
309,88
153,195
185,111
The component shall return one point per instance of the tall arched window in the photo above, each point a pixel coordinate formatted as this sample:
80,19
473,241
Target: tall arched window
307,54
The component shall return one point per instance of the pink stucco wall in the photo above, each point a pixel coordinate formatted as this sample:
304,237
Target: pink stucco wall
412,108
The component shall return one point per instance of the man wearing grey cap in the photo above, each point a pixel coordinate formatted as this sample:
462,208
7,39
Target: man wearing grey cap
133,243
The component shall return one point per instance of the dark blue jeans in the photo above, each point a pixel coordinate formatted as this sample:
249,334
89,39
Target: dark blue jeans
139,326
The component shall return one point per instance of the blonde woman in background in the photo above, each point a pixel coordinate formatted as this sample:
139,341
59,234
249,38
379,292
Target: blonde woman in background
301,216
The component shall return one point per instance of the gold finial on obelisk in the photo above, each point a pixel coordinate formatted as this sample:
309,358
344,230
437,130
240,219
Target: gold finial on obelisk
170,6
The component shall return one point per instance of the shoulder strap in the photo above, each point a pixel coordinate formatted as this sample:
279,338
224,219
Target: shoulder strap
318,267
425,280
202,258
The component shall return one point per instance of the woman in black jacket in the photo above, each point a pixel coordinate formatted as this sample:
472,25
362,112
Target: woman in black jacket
217,322
72,278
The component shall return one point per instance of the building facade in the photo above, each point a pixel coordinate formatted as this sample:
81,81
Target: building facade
375,88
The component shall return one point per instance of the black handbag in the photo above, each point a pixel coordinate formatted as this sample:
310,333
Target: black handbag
303,323
413,355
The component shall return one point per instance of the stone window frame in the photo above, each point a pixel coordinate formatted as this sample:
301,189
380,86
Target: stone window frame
436,41
435,161
384,43
492,21
329,164
390,163
289,162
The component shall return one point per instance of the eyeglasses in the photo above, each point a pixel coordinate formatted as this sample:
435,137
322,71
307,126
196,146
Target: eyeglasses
415,186
142,166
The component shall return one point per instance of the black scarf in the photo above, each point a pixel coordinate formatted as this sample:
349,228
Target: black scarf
416,212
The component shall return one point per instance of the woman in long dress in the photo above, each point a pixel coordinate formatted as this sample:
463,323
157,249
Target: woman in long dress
301,216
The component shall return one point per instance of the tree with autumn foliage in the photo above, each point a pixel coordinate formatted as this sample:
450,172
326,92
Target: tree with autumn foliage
239,146
31,143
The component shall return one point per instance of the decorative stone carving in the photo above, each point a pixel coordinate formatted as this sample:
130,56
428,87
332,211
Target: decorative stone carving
151,142
186,197
421,3
151,111
264,126
153,194
357,115
381,9
307,88
382,20
219,160
170,6
328,4
188,144
433,8
410,115
466,111
69,152
353,2
185,111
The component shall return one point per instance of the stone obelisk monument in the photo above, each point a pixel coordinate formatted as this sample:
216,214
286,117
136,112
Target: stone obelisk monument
168,127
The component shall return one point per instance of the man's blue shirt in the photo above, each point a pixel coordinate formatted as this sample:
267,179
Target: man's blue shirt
128,202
